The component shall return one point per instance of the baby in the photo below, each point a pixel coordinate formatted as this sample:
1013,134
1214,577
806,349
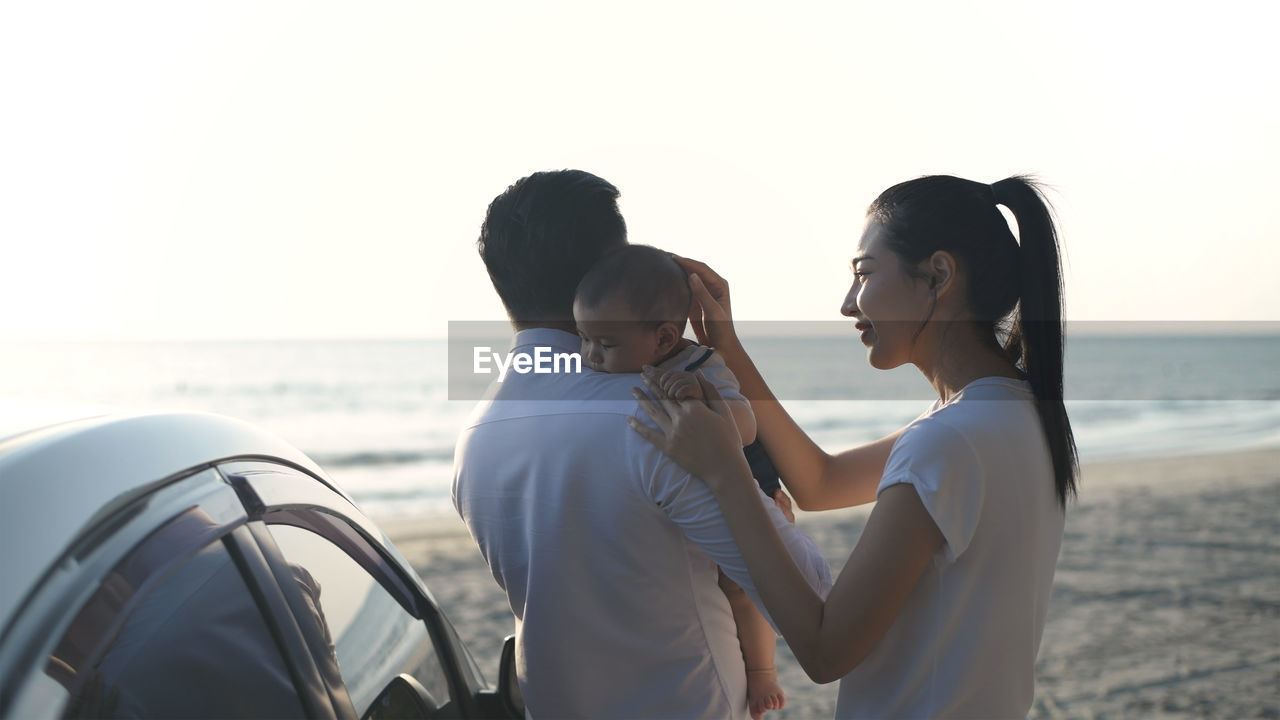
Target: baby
631,310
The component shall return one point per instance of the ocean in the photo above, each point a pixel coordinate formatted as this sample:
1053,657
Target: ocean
381,416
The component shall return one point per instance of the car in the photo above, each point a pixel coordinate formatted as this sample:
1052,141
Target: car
192,565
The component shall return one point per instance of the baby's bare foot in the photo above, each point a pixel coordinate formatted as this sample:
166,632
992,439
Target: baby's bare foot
763,692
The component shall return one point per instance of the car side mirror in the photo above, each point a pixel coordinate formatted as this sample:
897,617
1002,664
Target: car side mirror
508,683
403,697
506,700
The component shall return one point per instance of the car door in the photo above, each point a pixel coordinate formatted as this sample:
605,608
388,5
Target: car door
374,631
163,608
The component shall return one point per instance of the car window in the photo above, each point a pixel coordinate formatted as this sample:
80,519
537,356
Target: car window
167,636
372,635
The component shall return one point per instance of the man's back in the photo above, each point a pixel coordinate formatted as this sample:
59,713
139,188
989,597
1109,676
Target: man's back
607,550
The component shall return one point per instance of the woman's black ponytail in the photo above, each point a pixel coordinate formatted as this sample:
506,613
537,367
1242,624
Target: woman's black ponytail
1010,286
1036,334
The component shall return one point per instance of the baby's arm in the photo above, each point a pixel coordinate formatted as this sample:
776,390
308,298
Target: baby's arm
683,385
744,419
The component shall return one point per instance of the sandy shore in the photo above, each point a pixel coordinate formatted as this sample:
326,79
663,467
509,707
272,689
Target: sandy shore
1166,599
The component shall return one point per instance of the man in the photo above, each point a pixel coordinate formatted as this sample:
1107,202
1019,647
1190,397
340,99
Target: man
607,549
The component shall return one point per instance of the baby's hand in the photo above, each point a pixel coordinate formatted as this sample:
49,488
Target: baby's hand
681,385
783,501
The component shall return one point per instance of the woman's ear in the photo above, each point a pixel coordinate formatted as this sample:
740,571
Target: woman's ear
668,336
940,272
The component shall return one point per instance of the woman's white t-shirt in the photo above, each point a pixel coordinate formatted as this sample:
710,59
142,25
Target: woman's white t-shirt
965,643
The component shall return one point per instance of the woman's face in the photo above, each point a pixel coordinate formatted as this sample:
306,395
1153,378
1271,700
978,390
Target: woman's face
888,303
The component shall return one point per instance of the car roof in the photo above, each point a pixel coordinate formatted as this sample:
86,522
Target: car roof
60,480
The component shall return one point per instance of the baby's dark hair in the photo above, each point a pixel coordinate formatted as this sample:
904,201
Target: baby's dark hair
649,284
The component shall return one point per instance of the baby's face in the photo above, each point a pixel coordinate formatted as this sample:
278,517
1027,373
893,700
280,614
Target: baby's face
612,342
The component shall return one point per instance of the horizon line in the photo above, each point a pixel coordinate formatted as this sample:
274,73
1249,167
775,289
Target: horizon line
747,329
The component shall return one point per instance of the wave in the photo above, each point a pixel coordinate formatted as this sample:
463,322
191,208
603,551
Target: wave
371,458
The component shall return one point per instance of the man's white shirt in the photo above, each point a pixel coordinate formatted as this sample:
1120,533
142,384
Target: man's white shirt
607,550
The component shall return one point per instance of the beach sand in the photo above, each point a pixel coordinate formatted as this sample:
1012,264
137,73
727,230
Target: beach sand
1166,600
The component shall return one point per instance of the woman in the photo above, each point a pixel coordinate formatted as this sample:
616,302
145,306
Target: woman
940,608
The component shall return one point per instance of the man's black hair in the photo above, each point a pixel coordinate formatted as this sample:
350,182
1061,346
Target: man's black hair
542,235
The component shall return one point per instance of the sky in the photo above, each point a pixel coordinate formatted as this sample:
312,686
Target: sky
297,170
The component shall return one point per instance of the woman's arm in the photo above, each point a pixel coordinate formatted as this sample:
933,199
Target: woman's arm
828,638
817,480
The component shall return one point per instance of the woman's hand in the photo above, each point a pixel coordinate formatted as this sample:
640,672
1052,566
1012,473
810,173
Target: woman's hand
710,313
700,436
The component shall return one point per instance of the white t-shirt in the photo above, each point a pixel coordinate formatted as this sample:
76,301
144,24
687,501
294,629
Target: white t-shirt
607,550
965,643
712,367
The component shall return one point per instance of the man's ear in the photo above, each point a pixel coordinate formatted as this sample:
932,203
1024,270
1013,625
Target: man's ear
940,272
668,336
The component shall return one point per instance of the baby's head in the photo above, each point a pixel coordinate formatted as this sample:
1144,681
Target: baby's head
631,309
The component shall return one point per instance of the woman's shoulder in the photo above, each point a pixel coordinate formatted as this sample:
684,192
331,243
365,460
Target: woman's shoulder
997,387
932,434
959,426
983,403
990,423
